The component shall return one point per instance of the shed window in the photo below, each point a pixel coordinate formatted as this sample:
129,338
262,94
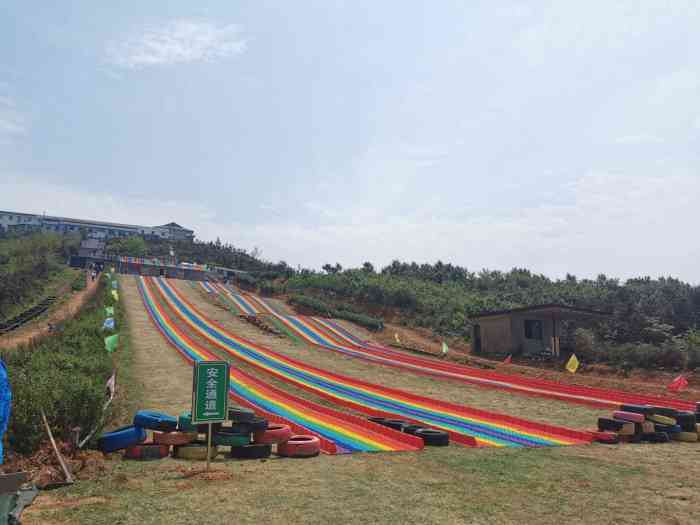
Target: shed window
533,329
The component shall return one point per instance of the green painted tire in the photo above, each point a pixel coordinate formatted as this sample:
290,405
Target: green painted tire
184,423
229,439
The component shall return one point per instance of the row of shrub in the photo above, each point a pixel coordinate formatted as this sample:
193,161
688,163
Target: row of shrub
323,309
677,353
63,374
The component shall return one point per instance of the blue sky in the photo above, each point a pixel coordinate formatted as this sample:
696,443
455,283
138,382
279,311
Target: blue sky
558,136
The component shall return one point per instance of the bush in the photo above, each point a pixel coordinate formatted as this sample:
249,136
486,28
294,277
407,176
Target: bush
78,283
64,375
342,312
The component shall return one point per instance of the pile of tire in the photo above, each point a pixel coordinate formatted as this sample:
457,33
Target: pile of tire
134,441
432,437
244,435
646,423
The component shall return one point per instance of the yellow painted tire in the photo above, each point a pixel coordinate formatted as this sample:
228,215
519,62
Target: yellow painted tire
195,452
687,437
661,420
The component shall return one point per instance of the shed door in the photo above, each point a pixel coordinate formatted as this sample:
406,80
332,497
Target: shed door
477,339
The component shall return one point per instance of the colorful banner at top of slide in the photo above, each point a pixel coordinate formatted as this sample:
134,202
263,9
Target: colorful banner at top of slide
346,432
488,429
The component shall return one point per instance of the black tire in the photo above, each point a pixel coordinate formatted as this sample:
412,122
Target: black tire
687,421
411,429
667,429
238,428
613,425
433,437
636,409
396,424
240,414
204,428
258,424
665,411
251,452
656,437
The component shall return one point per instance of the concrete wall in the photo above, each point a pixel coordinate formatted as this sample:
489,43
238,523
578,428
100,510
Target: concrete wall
496,335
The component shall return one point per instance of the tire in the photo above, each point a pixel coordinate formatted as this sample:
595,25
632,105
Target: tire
608,438
147,451
258,424
121,438
229,439
174,438
184,423
669,429
256,451
274,435
656,437
196,451
661,420
300,447
433,437
630,438
637,409
155,421
686,437
628,416
396,424
629,429
648,427
665,411
612,425
687,421
203,428
411,429
240,414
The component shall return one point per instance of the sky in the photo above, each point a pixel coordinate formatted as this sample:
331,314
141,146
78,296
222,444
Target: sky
563,136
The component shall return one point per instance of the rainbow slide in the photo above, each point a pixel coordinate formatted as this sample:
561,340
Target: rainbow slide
330,335
339,432
464,424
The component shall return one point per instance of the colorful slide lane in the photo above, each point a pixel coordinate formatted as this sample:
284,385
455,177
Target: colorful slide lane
339,432
329,335
463,423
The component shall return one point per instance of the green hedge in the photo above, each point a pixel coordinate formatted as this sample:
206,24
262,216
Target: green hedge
64,375
341,312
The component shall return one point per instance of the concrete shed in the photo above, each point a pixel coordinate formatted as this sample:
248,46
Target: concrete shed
524,331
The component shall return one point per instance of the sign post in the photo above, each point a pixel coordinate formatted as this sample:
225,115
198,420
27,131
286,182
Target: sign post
210,395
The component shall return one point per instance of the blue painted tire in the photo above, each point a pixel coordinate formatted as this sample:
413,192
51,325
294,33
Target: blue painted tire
121,438
155,421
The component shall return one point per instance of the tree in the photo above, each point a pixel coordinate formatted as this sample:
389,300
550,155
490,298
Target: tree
367,267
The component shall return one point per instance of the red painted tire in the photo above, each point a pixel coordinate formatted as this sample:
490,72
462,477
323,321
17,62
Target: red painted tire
606,437
300,447
274,435
174,438
628,416
147,451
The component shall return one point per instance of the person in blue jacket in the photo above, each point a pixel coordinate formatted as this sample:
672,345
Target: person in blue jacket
5,403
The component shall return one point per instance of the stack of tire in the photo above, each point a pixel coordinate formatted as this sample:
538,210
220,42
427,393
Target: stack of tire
637,423
432,437
133,439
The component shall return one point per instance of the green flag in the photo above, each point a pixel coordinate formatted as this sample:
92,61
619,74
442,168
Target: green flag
111,342
109,311
115,294
445,349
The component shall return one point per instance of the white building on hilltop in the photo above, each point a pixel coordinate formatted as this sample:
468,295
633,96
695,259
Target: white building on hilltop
12,221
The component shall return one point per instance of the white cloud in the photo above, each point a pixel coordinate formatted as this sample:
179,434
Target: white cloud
180,41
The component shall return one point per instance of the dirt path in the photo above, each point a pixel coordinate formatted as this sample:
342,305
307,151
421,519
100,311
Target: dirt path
165,377
39,328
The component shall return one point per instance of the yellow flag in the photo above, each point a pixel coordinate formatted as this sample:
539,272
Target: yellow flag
115,294
572,364
396,336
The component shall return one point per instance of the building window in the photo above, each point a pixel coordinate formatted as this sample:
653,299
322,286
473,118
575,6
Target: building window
533,330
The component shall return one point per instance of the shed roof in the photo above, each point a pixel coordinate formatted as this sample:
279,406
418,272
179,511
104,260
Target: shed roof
557,311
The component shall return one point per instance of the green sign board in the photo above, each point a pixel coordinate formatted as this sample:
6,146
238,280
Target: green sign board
210,392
